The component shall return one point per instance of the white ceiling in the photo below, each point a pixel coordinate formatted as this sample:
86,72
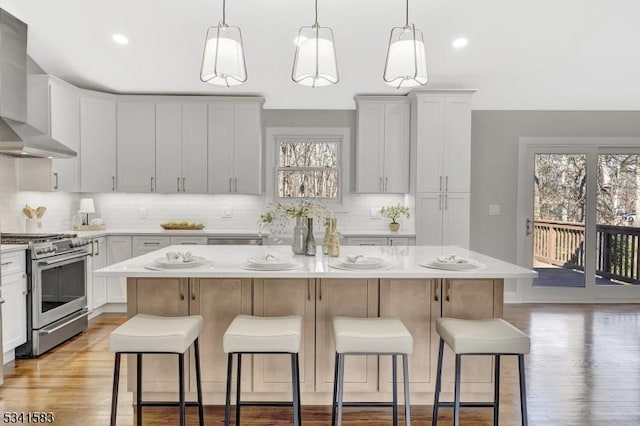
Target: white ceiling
543,54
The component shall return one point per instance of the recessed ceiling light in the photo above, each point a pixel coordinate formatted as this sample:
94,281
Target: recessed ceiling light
120,39
459,43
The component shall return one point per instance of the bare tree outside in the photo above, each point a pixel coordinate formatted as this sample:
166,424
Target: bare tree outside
308,167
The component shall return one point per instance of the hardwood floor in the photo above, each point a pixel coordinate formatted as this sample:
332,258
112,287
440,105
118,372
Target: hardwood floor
584,369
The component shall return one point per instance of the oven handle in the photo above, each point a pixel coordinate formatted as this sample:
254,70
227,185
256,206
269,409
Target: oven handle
53,330
64,259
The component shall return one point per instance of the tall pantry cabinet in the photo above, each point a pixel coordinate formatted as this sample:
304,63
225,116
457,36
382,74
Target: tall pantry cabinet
441,141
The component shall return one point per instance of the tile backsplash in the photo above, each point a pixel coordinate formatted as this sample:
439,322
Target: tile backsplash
147,211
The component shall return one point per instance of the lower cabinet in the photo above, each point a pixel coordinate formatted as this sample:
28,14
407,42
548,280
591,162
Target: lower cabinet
118,250
13,290
98,284
418,303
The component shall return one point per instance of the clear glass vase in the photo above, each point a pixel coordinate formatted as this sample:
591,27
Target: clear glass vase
299,236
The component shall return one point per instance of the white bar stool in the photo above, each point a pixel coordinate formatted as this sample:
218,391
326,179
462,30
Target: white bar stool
151,334
371,336
263,335
492,336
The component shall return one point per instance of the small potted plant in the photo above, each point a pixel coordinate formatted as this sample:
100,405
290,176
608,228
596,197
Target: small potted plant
393,213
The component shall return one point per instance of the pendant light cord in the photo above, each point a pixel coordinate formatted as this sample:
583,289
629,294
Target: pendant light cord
406,23
224,11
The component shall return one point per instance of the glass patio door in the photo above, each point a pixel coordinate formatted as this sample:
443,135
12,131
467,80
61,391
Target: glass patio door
580,202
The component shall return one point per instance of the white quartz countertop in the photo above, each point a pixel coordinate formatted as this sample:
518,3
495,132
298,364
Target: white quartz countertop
7,248
221,233
227,261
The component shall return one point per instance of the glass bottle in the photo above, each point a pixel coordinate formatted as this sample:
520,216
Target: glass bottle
299,237
325,239
310,242
333,242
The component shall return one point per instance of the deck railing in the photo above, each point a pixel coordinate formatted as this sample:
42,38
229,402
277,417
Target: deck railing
562,244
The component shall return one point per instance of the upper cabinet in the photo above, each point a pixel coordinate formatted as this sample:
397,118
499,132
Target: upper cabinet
97,142
442,130
382,152
136,145
235,146
54,108
181,147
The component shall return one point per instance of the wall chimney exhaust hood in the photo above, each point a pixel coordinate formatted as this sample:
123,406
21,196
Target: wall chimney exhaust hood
17,138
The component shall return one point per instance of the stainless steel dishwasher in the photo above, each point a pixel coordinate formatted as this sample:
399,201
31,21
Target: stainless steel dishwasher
249,241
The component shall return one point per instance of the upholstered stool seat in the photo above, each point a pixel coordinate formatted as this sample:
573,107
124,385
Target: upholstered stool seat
376,336
263,335
493,336
152,334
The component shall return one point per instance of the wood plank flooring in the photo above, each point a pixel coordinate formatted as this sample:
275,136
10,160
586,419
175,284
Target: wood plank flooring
584,369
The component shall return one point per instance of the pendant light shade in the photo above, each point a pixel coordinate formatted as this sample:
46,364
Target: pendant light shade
223,61
315,63
406,64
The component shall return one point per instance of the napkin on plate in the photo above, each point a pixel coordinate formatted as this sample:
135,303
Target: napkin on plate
452,259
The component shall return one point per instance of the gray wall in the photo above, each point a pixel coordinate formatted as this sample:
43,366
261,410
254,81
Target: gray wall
494,163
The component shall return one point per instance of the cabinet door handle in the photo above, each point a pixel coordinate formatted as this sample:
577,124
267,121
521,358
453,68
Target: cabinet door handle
178,183
308,289
436,291
6,263
55,175
97,248
381,189
181,291
193,293
113,183
235,185
386,184
184,179
448,292
230,189
320,290
151,243
151,183
440,182
446,183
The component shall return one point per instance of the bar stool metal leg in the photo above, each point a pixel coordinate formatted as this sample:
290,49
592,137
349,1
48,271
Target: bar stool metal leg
238,382
496,396
340,386
523,391
436,403
394,367
139,389
227,407
114,394
181,387
295,378
335,390
199,383
405,379
456,404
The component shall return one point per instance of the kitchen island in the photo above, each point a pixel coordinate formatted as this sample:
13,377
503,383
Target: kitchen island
317,292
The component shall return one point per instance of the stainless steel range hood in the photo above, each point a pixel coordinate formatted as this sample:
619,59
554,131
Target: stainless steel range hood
17,138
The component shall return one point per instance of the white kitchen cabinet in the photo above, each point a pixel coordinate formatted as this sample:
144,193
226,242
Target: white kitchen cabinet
382,150
147,244
98,260
380,241
181,147
441,126
442,219
97,142
13,289
119,249
136,145
235,147
54,109
188,240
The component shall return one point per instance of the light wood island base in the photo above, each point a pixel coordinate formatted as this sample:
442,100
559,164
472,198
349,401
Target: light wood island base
417,302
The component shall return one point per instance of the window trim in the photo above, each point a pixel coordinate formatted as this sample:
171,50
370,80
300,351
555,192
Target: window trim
341,133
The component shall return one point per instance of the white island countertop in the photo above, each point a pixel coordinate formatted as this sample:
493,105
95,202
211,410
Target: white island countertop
226,262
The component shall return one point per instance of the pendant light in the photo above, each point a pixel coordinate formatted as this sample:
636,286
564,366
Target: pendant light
223,61
406,64
315,63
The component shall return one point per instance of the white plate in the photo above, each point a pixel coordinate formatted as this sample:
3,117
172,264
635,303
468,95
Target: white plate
269,261
349,266
165,263
159,267
361,263
471,265
270,266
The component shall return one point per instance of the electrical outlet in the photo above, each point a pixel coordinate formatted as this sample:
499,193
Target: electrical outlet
494,210
142,213
227,212
375,213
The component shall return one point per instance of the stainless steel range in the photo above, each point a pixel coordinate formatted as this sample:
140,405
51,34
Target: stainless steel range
57,290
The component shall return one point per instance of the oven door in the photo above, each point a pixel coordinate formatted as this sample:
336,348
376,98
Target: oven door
59,287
